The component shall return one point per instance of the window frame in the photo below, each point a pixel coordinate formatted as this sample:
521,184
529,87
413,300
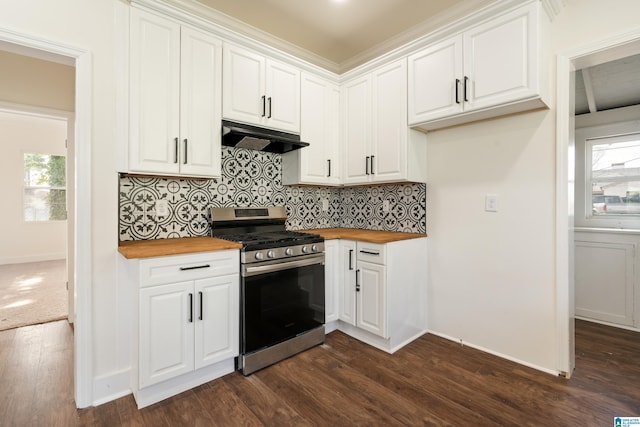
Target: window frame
585,139
36,187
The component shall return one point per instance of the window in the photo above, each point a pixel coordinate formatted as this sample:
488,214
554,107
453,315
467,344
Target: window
45,193
613,178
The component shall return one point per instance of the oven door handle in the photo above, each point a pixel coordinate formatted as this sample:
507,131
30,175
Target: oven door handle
248,271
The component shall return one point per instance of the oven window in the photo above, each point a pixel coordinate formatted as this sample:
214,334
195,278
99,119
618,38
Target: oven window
281,305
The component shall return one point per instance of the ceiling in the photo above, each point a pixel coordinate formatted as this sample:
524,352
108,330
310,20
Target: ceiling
610,85
345,33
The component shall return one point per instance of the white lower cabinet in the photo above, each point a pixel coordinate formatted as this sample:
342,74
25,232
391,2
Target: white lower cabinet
607,277
331,281
383,292
188,321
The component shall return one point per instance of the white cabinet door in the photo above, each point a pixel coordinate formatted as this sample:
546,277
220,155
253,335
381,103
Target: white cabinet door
154,94
283,97
166,332
371,299
347,289
217,323
436,81
389,137
200,104
332,271
260,91
320,127
604,281
356,123
244,97
500,60
493,67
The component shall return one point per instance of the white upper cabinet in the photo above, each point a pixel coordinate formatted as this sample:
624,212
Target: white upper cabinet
175,98
378,145
319,163
356,130
260,91
488,70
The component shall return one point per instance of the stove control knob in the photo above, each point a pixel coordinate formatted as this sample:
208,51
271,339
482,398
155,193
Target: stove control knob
271,254
314,248
288,251
259,255
305,249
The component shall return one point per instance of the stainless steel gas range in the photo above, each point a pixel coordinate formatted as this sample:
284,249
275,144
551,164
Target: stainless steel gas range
282,284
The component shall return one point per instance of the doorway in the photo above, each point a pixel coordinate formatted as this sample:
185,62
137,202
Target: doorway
567,63
34,257
80,236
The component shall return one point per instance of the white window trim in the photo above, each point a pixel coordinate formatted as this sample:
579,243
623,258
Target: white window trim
584,138
28,187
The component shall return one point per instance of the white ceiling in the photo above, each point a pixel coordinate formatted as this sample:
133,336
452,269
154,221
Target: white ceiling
345,33
610,85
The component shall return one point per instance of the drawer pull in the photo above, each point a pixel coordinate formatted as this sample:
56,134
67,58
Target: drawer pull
200,295
370,253
190,308
195,267
350,259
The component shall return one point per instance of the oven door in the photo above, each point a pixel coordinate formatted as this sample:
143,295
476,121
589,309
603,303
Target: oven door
280,300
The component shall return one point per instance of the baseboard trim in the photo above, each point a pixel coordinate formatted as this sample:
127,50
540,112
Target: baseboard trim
33,258
498,354
111,386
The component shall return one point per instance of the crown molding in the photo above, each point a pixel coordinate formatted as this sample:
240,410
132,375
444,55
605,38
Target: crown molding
446,23
553,7
232,29
436,22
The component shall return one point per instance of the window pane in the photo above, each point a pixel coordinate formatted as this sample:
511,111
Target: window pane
44,192
615,176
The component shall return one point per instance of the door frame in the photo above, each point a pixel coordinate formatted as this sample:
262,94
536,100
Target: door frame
594,53
82,241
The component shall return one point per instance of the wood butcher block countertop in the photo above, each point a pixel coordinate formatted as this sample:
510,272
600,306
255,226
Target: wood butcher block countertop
162,247
370,236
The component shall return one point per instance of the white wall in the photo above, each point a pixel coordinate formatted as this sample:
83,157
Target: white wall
90,25
492,280
31,81
27,241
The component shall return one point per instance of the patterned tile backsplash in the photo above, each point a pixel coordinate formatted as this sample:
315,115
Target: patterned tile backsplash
253,178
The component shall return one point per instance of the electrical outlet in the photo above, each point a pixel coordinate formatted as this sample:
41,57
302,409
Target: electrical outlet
491,203
162,207
385,206
325,205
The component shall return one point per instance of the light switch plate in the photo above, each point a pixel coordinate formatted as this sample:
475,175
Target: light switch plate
491,203
325,205
385,206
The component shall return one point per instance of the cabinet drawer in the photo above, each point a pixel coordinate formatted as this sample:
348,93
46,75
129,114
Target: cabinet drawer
175,268
371,252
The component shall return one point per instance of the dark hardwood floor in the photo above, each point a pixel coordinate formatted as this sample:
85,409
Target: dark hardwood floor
432,381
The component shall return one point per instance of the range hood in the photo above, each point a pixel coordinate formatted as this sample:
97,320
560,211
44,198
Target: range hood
256,138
